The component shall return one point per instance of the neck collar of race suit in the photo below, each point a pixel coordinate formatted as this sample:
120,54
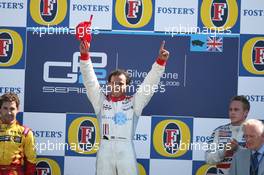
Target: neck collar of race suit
116,99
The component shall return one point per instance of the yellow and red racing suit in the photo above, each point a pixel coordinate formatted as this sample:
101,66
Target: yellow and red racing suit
17,150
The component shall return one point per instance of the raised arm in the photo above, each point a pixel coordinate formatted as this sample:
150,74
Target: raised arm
150,83
90,81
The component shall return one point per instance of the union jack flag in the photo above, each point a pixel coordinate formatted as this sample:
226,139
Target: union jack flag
214,44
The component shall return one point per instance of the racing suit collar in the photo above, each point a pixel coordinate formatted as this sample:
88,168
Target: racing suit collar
116,99
8,124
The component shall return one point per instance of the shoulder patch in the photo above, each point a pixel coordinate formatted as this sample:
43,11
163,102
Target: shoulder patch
26,130
222,127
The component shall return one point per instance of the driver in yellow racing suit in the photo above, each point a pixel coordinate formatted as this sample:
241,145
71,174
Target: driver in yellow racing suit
17,145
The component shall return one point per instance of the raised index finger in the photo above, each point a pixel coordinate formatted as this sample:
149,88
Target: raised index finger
162,45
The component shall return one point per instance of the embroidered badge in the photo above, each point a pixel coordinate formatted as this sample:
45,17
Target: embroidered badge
120,118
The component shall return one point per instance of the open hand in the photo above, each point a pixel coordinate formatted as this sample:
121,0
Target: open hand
231,147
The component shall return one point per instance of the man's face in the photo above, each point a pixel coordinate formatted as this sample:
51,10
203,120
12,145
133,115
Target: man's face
237,114
254,137
118,85
8,112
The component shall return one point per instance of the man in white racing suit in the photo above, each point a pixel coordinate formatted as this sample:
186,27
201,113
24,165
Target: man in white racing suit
226,139
118,113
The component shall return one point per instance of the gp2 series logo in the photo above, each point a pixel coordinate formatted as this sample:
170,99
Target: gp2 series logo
133,13
219,14
11,47
253,55
74,75
48,12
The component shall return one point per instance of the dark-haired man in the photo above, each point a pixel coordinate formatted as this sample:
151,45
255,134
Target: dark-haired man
118,113
17,145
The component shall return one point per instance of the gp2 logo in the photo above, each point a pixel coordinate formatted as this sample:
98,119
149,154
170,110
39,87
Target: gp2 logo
74,75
